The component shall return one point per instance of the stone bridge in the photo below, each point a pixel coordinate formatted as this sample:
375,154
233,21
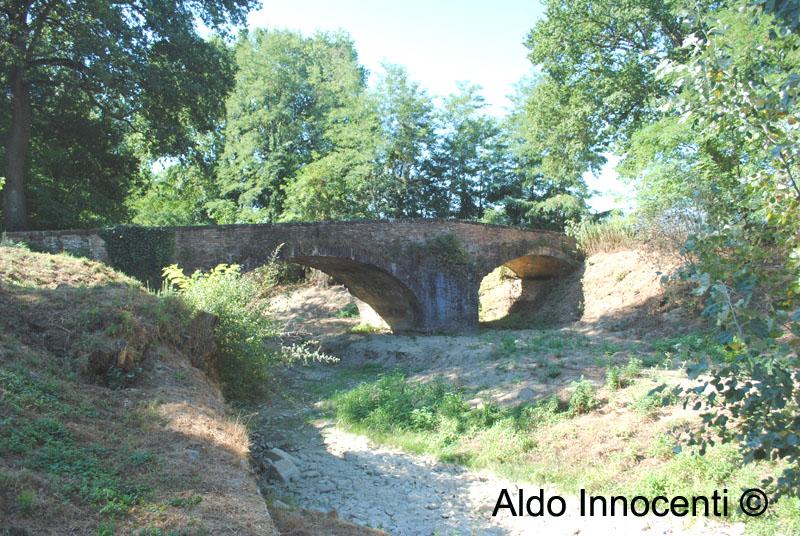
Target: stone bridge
418,275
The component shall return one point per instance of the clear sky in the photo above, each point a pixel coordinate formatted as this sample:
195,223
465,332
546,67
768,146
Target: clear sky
440,42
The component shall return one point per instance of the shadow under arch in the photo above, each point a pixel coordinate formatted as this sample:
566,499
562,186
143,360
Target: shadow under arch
533,290
394,302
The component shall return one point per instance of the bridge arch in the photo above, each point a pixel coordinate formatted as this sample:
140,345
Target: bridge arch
512,291
388,296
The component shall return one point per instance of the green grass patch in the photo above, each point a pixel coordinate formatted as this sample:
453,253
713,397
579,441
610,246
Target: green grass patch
33,433
528,443
692,346
348,311
366,328
434,418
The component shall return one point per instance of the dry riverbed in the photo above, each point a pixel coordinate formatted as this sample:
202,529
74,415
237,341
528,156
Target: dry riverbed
345,475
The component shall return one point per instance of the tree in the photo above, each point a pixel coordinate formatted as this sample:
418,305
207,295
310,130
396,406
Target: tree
80,165
286,88
407,123
739,91
598,59
345,183
138,63
464,156
548,153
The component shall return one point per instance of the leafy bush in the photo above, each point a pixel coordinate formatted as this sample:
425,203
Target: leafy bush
541,413
277,272
583,399
249,341
614,378
243,329
618,377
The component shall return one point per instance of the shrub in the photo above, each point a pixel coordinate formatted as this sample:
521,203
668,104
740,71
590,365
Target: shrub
26,500
541,413
249,340
633,368
614,378
648,405
243,329
619,377
277,272
583,399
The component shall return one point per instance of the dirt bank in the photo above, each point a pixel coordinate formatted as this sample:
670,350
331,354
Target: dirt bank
108,421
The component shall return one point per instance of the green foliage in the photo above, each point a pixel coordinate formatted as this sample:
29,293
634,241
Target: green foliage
744,113
590,97
26,500
186,502
277,272
106,87
583,398
248,339
291,95
365,328
243,329
703,99
348,152
46,445
177,195
506,346
691,346
434,418
407,117
541,414
632,369
392,404
614,379
348,311
21,391
469,157
140,252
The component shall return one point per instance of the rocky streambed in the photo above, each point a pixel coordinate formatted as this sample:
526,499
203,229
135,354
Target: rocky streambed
332,470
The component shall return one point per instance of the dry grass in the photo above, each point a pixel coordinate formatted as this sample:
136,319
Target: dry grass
311,523
88,350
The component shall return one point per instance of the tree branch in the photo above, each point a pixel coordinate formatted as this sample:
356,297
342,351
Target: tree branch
789,173
58,62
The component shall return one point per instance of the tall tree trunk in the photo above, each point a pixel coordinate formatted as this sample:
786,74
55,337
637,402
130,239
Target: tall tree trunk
15,208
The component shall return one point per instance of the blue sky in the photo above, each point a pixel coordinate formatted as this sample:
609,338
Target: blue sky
440,42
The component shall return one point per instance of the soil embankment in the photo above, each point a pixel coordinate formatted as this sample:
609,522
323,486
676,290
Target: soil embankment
109,423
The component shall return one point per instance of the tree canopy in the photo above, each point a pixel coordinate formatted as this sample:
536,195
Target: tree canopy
136,69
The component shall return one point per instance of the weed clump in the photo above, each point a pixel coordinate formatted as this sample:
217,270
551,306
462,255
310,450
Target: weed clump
619,377
348,311
583,399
